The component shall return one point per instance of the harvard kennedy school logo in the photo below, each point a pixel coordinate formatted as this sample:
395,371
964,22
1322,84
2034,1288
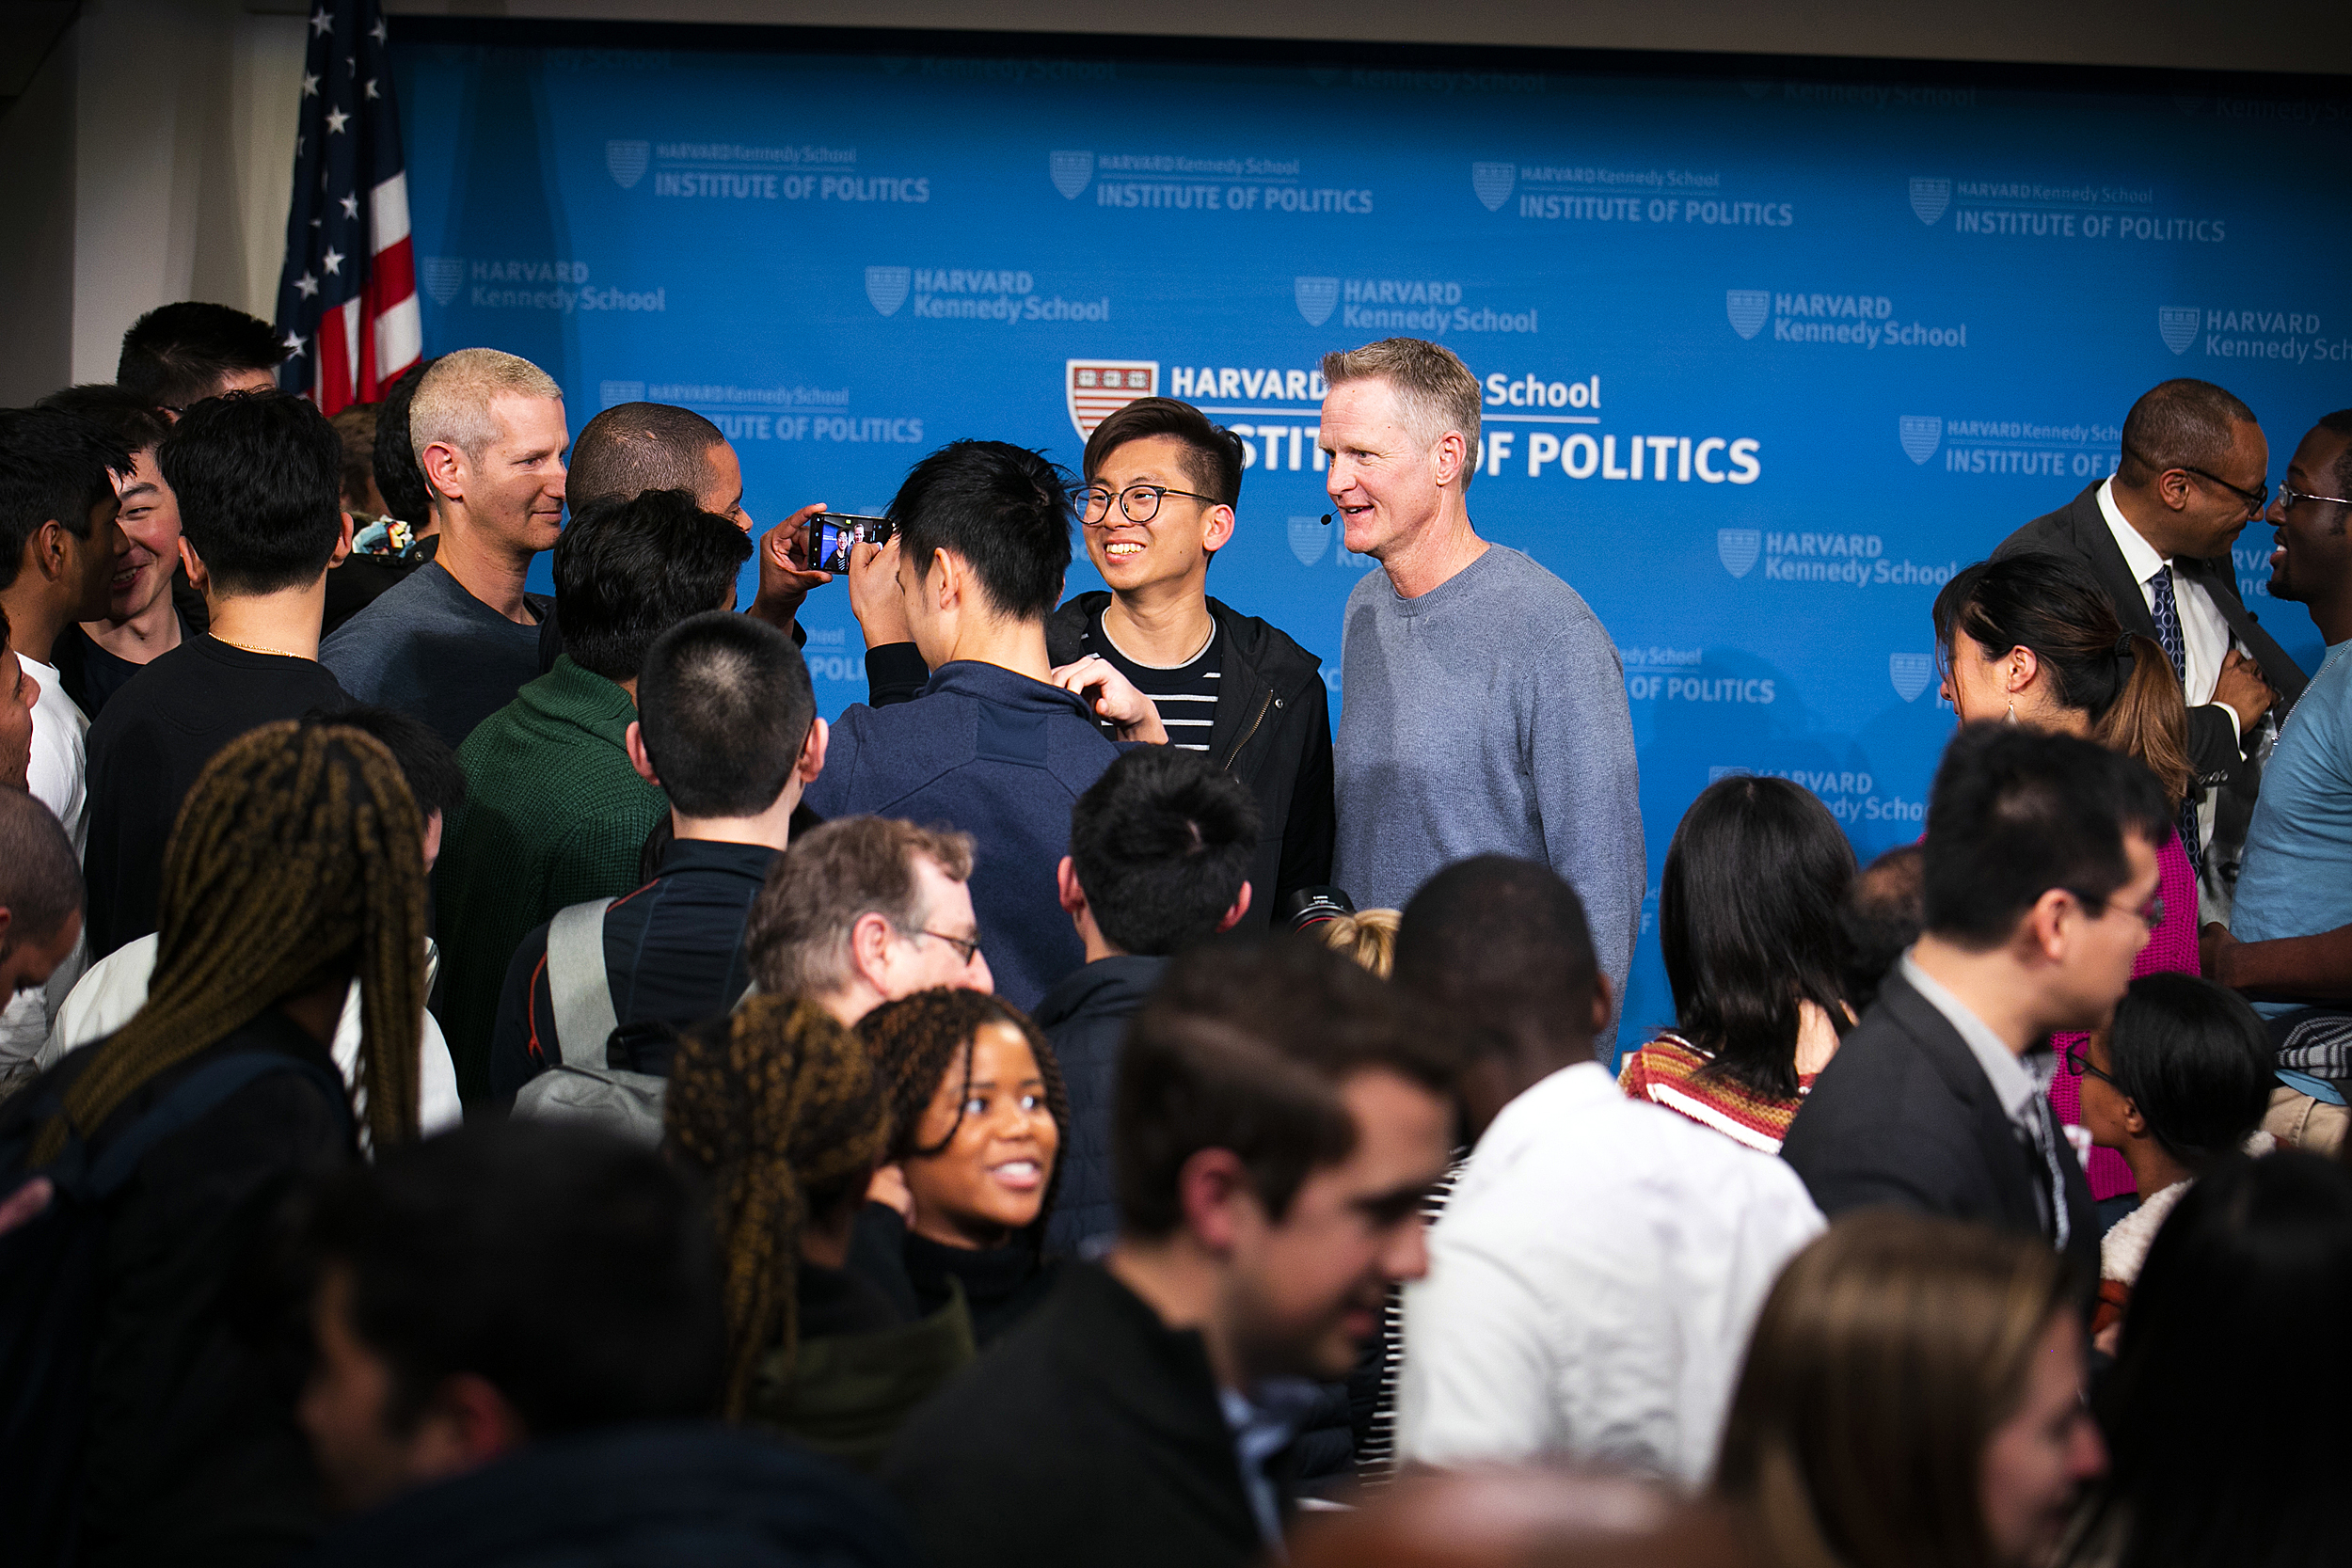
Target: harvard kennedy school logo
1493,182
1071,171
1097,388
886,288
1921,434
1315,298
443,277
1929,197
2178,323
1748,309
1910,672
1309,537
626,160
1738,548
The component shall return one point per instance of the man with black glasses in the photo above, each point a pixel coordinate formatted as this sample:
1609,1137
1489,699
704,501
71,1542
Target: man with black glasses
2157,533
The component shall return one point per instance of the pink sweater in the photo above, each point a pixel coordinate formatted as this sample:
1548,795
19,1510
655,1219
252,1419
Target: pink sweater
2171,950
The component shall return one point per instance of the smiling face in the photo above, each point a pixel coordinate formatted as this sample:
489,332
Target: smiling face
2038,1459
720,492
2312,558
150,520
515,486
1388,485
1175,545
989,1180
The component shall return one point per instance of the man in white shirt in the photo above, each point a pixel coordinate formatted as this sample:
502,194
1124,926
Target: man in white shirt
2157,532
1596,1272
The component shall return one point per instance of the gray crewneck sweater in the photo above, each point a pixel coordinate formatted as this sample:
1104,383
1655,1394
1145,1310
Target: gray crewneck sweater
1488,715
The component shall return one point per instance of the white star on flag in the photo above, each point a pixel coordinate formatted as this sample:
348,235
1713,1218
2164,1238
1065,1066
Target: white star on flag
294,342
377,32
351,206
372,87
332,260
322,22
310,85
308,283
337,119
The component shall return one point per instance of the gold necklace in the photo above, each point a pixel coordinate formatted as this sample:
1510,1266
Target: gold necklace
253,647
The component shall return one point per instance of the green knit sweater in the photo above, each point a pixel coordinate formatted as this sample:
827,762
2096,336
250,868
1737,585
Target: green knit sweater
554,815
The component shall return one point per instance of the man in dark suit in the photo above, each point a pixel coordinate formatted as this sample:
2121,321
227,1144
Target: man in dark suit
2157,533
2041,882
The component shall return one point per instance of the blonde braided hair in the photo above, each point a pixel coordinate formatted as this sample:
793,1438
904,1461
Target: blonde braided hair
297,857
780,1109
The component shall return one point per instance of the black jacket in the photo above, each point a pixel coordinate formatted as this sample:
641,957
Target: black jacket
1272,731
1091,1434
2080,530
1904,1117
1085,1019
683,1495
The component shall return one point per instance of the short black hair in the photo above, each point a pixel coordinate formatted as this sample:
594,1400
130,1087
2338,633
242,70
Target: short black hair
1501,946
2340,423
259,479
1245,1046
54,467
1748,928
41,877
1161,844
398,478
177,355
2014,813
2196,1061
435,779
1213,454
2182,423
634,447
628,569
725,705
1003,508
572,1271
125,415
1880,917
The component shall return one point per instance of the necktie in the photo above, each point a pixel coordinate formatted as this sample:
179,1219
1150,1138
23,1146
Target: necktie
2166,611
2052,1149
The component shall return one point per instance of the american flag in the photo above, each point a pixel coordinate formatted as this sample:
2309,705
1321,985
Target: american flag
347,299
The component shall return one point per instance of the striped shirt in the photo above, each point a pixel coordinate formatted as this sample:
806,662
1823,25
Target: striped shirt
1376,1454
1184,695
1666,1071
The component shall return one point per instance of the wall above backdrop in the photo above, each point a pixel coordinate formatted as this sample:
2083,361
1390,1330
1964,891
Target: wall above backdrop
1770,351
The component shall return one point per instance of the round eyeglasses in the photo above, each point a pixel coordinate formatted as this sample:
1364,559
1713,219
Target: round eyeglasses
1139,502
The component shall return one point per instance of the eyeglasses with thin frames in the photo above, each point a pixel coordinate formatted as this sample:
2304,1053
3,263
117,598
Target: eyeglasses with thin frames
2290,498
967,948
1139,502
2150,915
2255,498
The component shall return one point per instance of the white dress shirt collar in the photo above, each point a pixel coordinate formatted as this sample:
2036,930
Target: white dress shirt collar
2138,555
2012,1084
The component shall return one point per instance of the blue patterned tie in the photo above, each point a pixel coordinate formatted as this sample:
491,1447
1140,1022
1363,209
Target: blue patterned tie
2167,615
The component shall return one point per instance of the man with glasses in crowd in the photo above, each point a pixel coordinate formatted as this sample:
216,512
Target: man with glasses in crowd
2288,946
2157,533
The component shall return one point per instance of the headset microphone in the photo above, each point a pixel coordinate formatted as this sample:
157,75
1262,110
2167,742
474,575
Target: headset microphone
1327,519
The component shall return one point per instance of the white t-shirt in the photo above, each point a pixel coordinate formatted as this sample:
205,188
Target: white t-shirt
59,774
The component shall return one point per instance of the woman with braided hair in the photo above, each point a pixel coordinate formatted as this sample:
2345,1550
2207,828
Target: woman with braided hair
296,863
977,1111
780,1109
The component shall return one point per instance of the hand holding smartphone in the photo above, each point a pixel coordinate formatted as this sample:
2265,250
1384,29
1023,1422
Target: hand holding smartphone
832,535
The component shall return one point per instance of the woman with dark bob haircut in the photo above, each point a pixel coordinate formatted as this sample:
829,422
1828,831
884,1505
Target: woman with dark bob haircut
1748,922
2225,1410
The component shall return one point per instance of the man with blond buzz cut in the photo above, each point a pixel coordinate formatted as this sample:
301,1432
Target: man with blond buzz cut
1482,705
454,640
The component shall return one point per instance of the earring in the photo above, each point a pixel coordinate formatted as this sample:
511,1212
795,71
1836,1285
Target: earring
2011,718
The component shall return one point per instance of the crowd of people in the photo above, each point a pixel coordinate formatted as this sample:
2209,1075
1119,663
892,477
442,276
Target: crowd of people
499,1078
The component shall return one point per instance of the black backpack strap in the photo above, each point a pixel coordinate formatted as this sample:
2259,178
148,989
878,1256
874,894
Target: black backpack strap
199,1093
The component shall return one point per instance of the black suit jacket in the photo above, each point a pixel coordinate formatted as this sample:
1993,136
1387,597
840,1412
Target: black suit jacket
1903,1116
2080,530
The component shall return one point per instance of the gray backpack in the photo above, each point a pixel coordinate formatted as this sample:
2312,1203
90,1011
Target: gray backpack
581,1087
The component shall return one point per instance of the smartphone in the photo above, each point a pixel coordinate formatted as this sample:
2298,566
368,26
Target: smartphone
832,533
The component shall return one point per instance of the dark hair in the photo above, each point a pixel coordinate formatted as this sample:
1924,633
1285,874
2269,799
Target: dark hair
1747,923
398,478
1161,844
1003,508
918,1040
2257,1253
573,1272
54,467
2340,423
424,759
725,705
355,427
2014,813
628,570
635,447
259,479
125,415
1244,1047
40,877
2196,1060
177,355
2053,606
1213,454
1881,919
1501,946
2184,424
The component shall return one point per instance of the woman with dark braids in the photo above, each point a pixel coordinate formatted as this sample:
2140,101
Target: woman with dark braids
781,1110
977,1111
296,863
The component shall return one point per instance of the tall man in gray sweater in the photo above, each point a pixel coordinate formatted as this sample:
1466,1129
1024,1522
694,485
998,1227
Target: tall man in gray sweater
1481,702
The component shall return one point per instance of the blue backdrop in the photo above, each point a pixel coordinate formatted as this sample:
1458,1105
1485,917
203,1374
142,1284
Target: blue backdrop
1767,358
